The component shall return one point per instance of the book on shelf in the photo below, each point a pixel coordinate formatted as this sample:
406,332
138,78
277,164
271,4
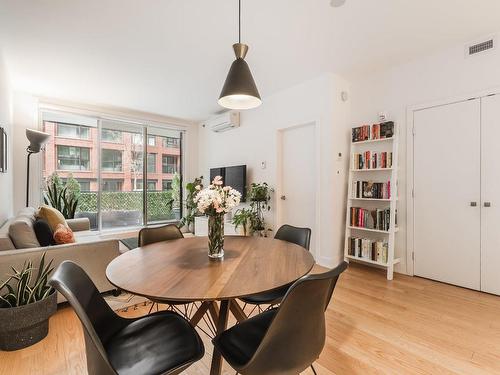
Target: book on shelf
378,219
371,190
376,131
366,248
372,160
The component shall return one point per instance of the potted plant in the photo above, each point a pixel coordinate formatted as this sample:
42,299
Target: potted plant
191,207
243,218
62,196
260,196
26,304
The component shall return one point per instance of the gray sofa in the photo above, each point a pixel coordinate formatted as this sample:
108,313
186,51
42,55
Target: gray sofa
90,251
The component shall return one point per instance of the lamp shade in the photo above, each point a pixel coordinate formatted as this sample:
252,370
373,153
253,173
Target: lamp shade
239,90
37,140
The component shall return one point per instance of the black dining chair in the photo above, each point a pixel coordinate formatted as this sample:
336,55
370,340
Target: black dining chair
287,339
288,233
152,235
160,343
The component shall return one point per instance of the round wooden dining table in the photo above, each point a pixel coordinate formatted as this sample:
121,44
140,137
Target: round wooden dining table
181,270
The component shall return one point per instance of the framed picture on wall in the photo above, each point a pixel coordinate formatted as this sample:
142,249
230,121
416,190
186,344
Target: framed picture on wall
3,150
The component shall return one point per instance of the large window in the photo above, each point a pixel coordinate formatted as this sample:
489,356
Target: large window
112,160
104,159
70,158
72,131
169,164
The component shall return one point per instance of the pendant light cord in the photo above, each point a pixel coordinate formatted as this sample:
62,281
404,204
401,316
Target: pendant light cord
239,21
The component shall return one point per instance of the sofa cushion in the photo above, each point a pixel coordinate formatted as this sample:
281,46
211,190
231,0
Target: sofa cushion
43,233
22,234
27,211
5,241
52,216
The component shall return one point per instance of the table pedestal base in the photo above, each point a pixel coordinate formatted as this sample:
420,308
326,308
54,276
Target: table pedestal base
220,315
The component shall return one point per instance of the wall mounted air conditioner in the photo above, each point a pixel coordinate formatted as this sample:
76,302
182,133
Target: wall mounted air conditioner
224,122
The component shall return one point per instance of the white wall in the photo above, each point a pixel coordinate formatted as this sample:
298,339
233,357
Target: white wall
25,115
441,76
256,141
6,187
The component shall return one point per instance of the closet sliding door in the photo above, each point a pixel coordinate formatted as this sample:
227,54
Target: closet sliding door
490,194
447,193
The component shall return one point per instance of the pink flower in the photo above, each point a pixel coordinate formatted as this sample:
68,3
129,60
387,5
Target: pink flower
217,180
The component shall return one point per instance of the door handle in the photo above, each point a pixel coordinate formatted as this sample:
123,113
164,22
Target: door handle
487,204
283,197
473,204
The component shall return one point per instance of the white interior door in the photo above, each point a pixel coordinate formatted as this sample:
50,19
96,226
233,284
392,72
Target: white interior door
490,210
299,178
447,193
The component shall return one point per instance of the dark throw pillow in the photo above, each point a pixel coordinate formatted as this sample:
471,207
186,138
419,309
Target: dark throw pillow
43,233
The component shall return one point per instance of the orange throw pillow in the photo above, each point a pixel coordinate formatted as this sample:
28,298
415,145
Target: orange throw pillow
52,216
63,235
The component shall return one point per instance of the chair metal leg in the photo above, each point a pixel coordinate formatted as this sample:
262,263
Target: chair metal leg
314,371
152,306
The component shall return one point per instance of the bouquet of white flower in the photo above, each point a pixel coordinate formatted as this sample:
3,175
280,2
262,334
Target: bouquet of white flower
215,199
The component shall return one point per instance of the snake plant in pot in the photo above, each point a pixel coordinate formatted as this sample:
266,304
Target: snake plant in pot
26,304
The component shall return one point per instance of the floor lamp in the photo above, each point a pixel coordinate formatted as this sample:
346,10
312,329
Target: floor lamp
37,140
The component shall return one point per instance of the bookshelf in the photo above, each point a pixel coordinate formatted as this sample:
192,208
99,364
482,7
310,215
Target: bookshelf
372,197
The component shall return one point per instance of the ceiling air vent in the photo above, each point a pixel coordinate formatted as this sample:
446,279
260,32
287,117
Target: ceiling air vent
475,48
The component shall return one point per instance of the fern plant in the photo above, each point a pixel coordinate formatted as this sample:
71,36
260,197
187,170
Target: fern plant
23,287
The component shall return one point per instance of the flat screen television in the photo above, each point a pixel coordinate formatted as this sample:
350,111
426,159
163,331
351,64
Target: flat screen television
235,176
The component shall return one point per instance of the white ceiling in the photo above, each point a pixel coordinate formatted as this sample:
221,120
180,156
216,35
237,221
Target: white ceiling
171,56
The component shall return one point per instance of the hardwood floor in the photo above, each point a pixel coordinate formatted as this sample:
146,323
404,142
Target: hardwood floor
407,326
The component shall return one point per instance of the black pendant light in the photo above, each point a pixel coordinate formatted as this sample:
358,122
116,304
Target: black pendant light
239,91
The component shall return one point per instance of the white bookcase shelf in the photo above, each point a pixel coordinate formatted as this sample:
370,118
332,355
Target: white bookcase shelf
372,230
369,261
372,169
373,141
371,199
377,175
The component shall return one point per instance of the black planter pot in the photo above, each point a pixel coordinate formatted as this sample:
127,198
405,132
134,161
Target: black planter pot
23,326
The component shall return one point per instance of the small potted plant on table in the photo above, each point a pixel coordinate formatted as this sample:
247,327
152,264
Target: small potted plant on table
26,304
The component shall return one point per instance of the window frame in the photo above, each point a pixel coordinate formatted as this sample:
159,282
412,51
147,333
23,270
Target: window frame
95,121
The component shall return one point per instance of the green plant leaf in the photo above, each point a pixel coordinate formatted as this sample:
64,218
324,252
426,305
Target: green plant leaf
4,302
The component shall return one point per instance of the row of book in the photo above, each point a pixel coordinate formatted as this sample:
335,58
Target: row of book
378,219
372,160
368,249
375,131
370,189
